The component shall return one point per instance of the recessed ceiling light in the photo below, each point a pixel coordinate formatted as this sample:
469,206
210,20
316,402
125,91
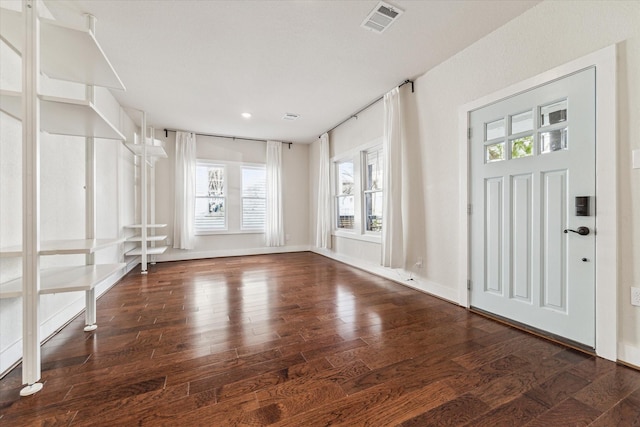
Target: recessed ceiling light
246,115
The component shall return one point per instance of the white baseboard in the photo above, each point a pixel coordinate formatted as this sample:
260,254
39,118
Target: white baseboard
630,354
190,254
397,275
10,356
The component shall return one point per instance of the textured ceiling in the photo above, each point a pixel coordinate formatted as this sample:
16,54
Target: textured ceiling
197,65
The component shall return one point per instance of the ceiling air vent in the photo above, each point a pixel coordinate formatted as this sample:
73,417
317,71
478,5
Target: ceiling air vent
381,17
290,116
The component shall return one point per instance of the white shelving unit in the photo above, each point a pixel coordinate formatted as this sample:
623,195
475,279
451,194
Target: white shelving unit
62,116
64,279
82,60
72,54
63,247
148,152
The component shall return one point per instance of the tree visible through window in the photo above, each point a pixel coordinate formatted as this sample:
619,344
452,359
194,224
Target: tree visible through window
210,197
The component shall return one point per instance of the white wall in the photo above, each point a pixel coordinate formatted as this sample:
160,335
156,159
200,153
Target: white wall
295,178
546,36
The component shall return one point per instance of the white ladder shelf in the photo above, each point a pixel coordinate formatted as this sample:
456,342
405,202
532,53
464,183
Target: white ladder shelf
65,53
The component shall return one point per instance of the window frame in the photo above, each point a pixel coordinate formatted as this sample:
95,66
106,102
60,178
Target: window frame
357,155
212,163
254,166
365,191
233,197
339,195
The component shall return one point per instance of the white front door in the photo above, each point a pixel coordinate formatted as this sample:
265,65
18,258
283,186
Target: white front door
532,192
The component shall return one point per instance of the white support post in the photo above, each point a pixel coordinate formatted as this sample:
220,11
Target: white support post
90,201
31,356
143,193
152,194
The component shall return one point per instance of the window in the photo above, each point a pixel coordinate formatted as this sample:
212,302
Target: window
373,189
358,192
254,195
230,197
210,210
345,202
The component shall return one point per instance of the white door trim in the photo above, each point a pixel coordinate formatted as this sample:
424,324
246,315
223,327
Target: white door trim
606,187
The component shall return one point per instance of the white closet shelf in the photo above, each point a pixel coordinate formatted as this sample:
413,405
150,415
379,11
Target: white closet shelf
64,279
62,116
155,250
67,53
63,247
157,238
153,151
148,226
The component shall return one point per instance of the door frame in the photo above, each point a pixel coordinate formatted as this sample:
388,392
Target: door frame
606,265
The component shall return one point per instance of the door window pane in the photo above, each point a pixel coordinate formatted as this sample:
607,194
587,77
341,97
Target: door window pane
522,147
494,152
554,140
522,122
553,113
494,130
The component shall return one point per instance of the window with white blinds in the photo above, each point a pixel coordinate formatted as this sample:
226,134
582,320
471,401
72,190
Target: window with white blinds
254,195
230,197
210,209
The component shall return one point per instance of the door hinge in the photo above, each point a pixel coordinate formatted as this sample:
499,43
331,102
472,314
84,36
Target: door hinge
469,209
469,133
468,284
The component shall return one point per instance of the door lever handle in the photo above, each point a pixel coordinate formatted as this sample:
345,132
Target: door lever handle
583,231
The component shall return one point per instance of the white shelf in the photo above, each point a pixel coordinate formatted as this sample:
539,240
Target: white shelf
64,116
155,250
67,53
148,226
63,247
64,279
11,252
158,238
153,151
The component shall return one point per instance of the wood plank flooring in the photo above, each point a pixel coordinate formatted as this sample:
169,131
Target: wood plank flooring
301,340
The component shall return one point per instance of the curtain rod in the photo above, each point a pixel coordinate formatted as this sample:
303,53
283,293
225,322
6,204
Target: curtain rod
166,134
369,105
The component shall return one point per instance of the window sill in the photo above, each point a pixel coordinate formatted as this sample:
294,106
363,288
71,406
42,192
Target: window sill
372,238
227,232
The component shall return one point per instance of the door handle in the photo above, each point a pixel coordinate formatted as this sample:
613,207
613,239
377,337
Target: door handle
583,231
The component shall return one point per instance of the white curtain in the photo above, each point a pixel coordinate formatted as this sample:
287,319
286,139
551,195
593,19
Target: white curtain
392,144
274,224
323,226
185,197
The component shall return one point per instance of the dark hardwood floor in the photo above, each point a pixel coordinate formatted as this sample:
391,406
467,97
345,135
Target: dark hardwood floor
301,340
